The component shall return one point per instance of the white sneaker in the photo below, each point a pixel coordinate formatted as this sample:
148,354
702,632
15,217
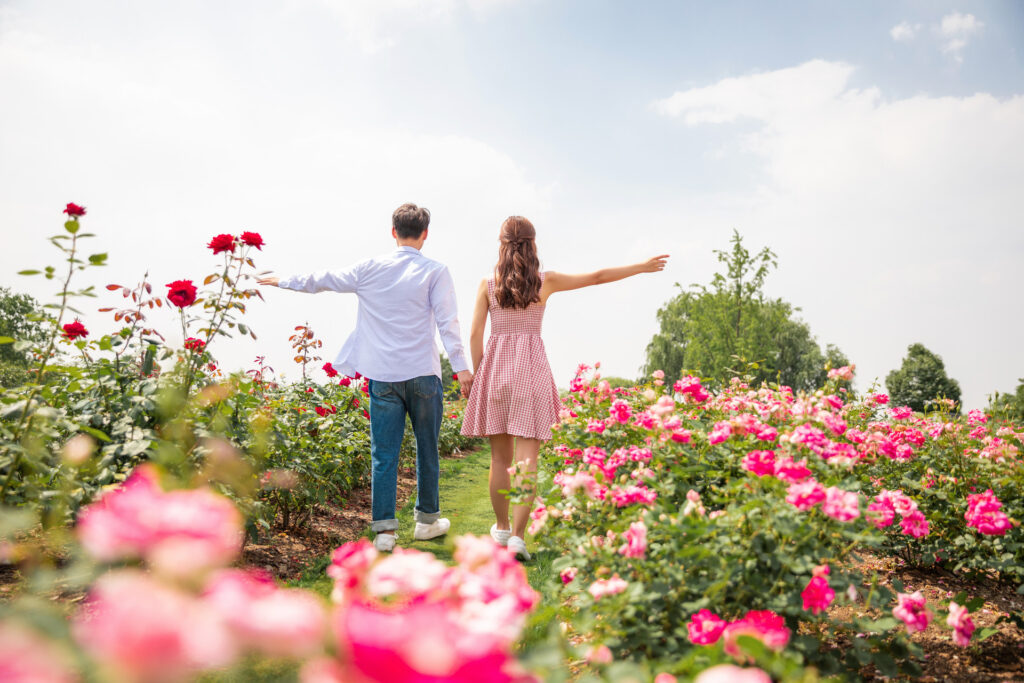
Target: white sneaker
384,543
438,528
500,536
517,547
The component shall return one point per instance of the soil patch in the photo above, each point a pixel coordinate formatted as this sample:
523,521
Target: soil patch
287,553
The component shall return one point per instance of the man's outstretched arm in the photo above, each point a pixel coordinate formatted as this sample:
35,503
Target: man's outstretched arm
341,280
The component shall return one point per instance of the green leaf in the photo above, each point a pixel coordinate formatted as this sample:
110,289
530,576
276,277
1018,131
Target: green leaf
6,340
986,632
974,604
95,433
72,226
98,259
29,272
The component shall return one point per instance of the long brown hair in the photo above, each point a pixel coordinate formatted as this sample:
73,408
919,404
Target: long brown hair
517,275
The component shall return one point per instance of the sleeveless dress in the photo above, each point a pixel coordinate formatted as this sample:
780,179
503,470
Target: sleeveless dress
513,391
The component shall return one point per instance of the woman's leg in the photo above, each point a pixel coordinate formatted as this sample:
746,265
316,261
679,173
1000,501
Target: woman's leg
526,464
501,460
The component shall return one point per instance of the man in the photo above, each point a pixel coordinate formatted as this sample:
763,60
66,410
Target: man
402,296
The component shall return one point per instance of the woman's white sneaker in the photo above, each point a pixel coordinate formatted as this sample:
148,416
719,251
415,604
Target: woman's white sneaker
517,547
500,536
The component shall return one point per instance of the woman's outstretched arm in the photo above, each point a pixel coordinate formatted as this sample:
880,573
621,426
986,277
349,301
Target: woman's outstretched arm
563,282
476,331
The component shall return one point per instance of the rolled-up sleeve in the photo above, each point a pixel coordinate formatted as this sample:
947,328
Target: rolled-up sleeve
446,314
340,280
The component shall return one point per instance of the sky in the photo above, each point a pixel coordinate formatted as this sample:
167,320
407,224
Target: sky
876,147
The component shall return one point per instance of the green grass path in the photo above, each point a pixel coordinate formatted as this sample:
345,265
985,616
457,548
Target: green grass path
466,502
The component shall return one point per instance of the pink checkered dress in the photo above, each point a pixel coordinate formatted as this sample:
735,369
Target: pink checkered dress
514,391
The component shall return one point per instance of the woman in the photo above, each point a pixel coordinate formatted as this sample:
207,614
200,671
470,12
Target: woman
514,400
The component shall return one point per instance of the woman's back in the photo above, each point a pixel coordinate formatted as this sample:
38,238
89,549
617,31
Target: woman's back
514,320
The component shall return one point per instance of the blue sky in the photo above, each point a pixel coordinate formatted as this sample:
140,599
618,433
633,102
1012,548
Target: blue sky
875,146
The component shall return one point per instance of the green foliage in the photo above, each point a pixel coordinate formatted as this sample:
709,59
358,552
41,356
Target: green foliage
731,328
21,320
448,381
1008,406
920,380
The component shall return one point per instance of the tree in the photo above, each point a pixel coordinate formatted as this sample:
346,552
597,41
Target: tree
921,379
716,331
21,318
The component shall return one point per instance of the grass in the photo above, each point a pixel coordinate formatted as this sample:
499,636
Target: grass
465,501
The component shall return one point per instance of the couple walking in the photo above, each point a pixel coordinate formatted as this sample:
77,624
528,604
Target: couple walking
403,297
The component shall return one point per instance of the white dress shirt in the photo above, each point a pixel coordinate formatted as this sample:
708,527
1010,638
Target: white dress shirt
402,297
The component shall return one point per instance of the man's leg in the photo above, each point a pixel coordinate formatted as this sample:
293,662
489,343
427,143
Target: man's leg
387,426
423,396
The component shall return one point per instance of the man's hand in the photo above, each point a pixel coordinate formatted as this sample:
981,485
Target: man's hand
465,382
270,281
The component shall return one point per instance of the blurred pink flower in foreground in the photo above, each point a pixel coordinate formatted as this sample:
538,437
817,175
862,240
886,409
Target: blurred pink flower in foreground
409,617
728,673
140,629
27,657
177,532
263,617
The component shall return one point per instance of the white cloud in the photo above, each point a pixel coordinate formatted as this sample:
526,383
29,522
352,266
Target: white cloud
167,151
955,30
904,31
909,207
376,25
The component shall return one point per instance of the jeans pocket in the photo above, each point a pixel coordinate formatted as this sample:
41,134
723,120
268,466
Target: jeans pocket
381,389
426,387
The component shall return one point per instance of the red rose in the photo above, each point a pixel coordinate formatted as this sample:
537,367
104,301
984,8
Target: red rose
365,389
252,239
329,369
74,210
221,243
455,376
193,344
75,330
358,376
366,415
344,382
321,411
181,293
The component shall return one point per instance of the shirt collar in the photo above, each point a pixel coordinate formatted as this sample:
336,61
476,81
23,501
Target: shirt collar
413,250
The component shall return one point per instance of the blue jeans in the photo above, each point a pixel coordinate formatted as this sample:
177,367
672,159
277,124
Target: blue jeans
420,397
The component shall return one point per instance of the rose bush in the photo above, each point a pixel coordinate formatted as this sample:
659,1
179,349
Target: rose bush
759,499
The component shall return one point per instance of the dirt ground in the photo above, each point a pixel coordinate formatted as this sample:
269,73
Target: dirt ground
998,658
286,554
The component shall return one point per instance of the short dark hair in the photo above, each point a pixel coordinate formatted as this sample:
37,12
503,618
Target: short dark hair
409,221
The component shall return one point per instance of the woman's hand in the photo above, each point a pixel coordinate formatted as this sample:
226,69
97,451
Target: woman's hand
654,265
270,281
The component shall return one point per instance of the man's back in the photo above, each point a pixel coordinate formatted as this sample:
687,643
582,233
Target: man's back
403,297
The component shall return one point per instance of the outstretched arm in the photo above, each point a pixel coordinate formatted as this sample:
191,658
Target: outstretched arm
341,280
562,282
